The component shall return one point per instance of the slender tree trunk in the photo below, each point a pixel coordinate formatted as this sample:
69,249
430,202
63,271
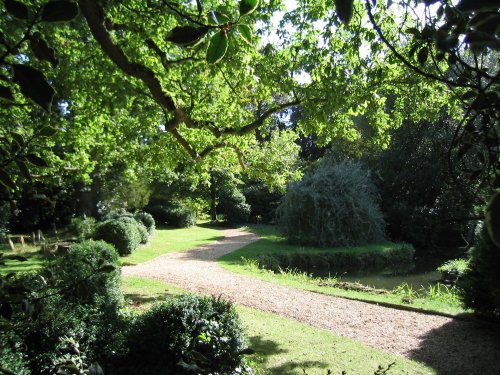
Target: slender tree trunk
213,197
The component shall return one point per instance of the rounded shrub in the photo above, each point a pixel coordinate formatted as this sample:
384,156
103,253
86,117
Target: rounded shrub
199,331
335,205
146,219
123,235
143,232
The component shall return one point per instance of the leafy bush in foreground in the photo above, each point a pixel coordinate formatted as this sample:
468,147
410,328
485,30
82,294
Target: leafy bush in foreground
124,236
80,305
203,333
335,205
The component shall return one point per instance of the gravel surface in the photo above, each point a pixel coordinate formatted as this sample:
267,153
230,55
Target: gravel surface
448,345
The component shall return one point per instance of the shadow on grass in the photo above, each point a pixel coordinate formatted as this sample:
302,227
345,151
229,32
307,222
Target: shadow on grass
460,347
266,350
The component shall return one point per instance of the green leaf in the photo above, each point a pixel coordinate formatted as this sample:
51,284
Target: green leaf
47,131
36,160
6,93
24,170
6,180
422,55
17,9
59,11
245,32
34,85
42,50
217,47
344,10
218,18
18,138
186,35
248,6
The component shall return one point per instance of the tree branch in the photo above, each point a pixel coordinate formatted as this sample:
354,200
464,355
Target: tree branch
96,19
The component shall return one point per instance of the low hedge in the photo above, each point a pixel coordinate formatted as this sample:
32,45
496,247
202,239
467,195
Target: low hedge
146,219
339,260
177,216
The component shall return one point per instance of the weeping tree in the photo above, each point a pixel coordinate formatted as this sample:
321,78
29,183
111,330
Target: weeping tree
335,205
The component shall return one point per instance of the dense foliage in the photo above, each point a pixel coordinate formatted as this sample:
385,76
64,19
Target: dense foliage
232,205
76,317
147,220
123,235
420,199
481,283
187,333
335,205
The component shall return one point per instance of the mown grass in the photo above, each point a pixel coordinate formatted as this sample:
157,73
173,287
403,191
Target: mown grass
166,241
285,346
244,261
35,259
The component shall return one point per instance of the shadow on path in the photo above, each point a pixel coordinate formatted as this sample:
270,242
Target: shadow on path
443,343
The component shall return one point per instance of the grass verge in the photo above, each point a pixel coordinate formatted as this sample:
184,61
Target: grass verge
166,241
35,259
286,347
244,261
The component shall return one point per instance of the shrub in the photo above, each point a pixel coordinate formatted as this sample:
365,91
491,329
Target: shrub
143,232
453,270
233,206
200,331
481,283
124,236
81,303
335,205
177,216
83,227
147,220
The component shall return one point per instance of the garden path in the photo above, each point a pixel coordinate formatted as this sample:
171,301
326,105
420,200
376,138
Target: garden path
450,346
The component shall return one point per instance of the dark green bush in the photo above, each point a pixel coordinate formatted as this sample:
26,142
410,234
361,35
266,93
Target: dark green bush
335,205
177,216
263,203
81,303
200,331
232,205
123,235
83,227
147,220
481,283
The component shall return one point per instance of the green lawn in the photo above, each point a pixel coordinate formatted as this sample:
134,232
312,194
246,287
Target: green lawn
284,346
35,259
272,242
172,240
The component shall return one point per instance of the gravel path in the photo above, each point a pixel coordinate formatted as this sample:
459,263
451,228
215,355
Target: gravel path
448,345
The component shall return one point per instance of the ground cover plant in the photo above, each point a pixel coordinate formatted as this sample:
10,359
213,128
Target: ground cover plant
245,261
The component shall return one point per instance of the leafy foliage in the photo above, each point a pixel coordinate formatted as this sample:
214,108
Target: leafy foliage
82,305
335,205
123,235
481,283
147,220
422,203
83,227
232,204
263,203
200,333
